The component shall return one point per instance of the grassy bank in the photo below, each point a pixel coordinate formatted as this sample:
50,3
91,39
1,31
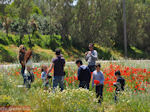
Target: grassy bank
44,46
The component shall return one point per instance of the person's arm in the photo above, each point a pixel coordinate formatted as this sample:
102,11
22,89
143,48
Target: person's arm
50,69
89,72
79,71
87,56
94,56
102,78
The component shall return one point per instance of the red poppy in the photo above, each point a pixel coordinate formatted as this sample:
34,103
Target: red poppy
96,82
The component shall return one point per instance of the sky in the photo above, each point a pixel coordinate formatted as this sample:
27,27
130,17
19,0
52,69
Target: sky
75,2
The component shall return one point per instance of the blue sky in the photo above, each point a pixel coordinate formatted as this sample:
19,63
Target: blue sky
75,2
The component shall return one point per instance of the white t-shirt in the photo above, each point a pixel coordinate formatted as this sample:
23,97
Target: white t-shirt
28,64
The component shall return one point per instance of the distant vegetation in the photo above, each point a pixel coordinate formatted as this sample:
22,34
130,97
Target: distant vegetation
53,23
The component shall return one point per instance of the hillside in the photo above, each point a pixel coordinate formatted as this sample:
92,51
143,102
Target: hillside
44,46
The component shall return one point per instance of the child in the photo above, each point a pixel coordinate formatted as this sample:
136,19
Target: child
119,84
44,76
98,79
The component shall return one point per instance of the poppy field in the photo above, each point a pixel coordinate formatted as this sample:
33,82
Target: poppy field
135,98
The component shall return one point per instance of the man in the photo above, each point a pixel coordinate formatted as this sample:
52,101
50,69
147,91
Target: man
58,63
98,78
22,51
119,84
84,75
91,57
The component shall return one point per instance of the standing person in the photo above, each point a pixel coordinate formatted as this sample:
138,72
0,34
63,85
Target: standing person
119,84
98,79
84,75
29,77
58,63
91,57
22,52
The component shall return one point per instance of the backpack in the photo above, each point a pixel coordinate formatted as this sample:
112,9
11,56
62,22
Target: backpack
84,75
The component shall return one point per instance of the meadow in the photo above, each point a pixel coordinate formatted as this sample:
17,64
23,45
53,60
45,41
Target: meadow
135,98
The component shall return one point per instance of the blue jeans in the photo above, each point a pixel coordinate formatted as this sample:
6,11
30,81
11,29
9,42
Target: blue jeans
58,80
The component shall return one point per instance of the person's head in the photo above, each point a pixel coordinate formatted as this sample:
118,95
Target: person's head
117,73
91,46
79,63
22,48
98,66
43,68
58,52
28,56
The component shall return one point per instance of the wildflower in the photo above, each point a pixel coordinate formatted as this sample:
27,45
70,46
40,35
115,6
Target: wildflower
96,82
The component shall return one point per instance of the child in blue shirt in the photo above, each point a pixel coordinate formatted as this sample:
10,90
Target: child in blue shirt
44,76
98,78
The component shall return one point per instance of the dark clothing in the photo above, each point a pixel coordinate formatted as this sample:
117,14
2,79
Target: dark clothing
119,87
21,56
84,74
91,67
84,84
59,63
99,92
121,84
21,59
22,73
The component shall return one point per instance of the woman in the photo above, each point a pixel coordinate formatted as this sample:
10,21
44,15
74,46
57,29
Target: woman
22,51
28,69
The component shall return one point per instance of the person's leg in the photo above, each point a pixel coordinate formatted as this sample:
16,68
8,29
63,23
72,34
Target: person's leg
91,67
61,82
82,84
55,82
98,93
23,75
87,85
116,99
101,93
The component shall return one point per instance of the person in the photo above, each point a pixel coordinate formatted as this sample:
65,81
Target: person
84,75
45,77
91,57
22,51
58,64
29,77
98,79
119,84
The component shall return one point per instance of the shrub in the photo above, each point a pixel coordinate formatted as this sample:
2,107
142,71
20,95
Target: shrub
70,100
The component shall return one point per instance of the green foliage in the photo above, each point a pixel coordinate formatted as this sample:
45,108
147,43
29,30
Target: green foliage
55,41
5,100
36,10
7,55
